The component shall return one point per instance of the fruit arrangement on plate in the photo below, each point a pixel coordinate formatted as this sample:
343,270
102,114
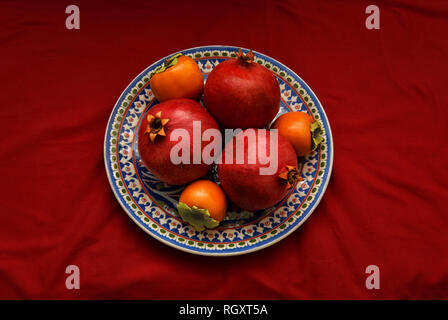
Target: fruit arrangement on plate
218,151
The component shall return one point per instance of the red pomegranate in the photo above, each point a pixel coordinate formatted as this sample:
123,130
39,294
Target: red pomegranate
240,93
154,143
244,184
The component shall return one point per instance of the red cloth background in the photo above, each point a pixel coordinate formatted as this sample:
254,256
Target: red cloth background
385,95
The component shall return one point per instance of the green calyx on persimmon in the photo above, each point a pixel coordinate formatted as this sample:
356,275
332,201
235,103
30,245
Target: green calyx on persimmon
199,219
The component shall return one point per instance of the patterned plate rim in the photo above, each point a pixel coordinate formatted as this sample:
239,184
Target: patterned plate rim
275,239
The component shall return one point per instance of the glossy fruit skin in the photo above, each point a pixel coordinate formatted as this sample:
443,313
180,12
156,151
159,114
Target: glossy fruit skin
184,80
242,95
206,194
295,126
243,183
156,156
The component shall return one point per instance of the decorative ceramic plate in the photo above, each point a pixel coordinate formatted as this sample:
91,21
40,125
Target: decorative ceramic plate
152,203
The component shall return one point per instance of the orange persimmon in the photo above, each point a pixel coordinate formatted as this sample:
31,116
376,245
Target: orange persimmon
178,77
302,131
205,194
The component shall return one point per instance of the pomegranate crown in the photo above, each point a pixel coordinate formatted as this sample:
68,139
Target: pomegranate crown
156,126
247,58
291,176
